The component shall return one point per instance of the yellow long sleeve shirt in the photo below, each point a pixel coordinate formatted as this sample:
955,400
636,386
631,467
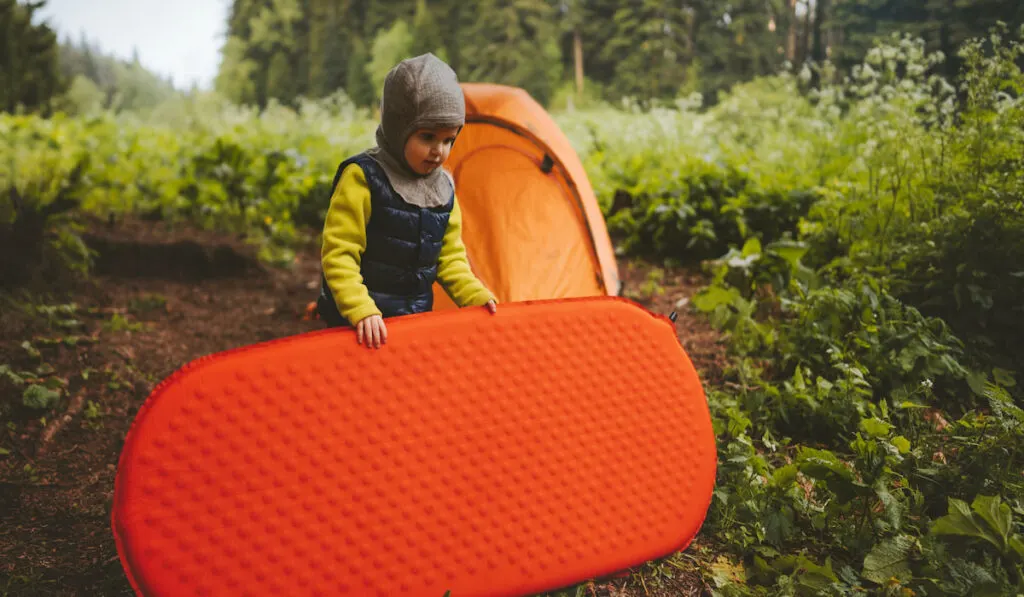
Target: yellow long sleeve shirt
344,242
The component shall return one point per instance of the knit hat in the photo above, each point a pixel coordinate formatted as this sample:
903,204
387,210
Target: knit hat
420,92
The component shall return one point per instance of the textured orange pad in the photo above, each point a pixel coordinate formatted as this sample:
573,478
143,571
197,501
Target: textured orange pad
506,454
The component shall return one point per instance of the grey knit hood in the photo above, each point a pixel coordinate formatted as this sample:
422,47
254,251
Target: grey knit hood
418,93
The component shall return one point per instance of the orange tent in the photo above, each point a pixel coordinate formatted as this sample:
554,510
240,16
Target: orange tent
531,223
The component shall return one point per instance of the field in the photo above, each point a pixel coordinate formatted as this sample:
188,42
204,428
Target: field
852,256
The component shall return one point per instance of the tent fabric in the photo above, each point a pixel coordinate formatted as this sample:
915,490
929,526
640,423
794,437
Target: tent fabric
532,224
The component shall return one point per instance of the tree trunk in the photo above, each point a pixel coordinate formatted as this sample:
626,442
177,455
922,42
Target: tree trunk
817,33
805,41
819,52
578,54
791,34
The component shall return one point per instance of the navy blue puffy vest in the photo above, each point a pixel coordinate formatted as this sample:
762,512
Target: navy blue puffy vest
403,244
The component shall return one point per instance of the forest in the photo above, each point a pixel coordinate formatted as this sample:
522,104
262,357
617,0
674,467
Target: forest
646,49
829,192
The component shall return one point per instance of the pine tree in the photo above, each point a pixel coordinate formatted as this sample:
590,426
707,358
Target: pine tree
383,14
335,47
514,43
358,84
29,62
280,79
390,47
236,78
739,44
427,36
598,28
651,48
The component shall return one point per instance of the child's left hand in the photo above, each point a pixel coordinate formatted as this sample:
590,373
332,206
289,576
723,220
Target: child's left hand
492,306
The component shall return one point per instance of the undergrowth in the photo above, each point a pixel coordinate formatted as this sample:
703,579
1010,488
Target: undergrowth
870,430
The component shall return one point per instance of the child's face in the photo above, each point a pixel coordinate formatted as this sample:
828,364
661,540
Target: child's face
427,149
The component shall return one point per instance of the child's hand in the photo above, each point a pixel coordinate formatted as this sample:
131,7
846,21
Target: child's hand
492,306
373,329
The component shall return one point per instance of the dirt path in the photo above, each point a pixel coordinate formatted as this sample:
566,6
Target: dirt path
158,300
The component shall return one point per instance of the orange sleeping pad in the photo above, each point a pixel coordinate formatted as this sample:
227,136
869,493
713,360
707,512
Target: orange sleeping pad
508,454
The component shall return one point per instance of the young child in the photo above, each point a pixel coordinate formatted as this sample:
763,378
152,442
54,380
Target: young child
394,225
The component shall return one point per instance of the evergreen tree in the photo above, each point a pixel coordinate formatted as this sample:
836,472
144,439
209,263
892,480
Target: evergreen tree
514,43
280,82
651,50
597,29
335,48
380,15
390,47
426,34
358,84
29,63
454,18
644,48
122,84
739,41
236,77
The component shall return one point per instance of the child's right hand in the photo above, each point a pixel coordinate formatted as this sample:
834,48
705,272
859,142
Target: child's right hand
373,329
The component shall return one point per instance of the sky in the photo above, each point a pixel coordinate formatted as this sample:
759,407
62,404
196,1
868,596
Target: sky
177,38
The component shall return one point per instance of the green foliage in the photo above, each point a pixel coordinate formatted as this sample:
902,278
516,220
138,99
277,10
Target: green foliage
45,179
567,99
279,78
648,50
98,81
704,211
261,52
514,44
29,64
868,238
236,76
264,176
390,47
427,36
83,98
358,83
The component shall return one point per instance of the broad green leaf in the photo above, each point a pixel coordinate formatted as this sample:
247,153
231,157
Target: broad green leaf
889,559
960,522
1017,545
792,252
808,573
712,297
752,247
1004,378
875,427
977,380
902,444
996,514
822,463
826,467
784,476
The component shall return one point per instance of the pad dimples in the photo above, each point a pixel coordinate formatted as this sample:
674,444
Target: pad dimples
506,454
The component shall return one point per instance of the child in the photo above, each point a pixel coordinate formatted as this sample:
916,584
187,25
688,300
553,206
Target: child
394,225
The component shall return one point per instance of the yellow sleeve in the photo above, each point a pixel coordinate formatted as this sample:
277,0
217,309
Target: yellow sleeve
453,270
344,241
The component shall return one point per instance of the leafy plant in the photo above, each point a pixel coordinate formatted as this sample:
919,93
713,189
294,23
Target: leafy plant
874,328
